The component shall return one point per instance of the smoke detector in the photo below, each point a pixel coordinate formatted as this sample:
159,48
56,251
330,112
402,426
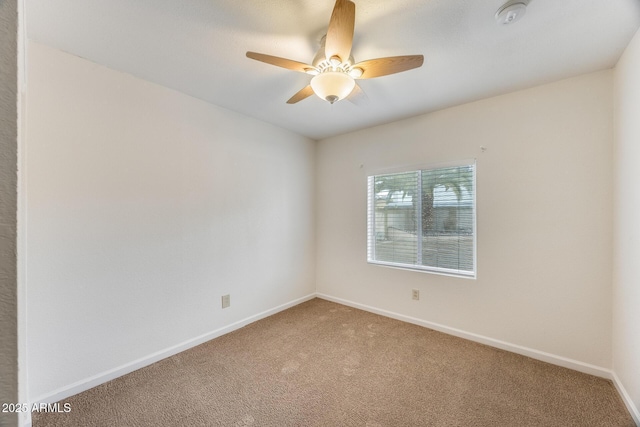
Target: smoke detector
511,12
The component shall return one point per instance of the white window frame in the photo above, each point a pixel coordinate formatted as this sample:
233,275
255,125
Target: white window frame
371,227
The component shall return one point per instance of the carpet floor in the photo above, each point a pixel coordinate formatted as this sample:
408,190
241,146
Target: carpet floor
324,364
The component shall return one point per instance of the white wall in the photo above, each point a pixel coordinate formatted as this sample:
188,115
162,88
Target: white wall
144,207
544,218
626,276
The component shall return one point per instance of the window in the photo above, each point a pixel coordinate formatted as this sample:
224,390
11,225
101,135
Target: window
424,219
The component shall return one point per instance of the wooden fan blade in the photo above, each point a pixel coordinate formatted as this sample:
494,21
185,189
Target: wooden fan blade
280,62
340,33
358,97
305,92
391,65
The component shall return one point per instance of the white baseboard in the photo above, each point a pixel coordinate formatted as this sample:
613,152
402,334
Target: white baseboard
633,410
87,383
514,348
95,380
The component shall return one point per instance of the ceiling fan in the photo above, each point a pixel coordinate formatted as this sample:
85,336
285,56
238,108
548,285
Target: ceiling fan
333,68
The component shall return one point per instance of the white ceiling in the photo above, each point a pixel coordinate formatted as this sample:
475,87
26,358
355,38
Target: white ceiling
198,47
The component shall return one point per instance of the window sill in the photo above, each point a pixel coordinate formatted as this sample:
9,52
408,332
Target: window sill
433,270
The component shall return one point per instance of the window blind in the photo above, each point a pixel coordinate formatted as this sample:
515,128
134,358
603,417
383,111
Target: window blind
423,219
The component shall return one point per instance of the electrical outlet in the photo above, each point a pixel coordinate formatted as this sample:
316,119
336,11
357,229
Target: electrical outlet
226,301
415,294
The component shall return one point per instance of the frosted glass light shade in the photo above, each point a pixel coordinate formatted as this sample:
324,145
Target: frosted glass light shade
332,86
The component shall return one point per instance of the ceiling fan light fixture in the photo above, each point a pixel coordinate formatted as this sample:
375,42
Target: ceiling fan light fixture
332,86
356,72
333,68
335,61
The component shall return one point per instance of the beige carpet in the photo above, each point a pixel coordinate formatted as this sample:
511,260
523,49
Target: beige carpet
324,364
